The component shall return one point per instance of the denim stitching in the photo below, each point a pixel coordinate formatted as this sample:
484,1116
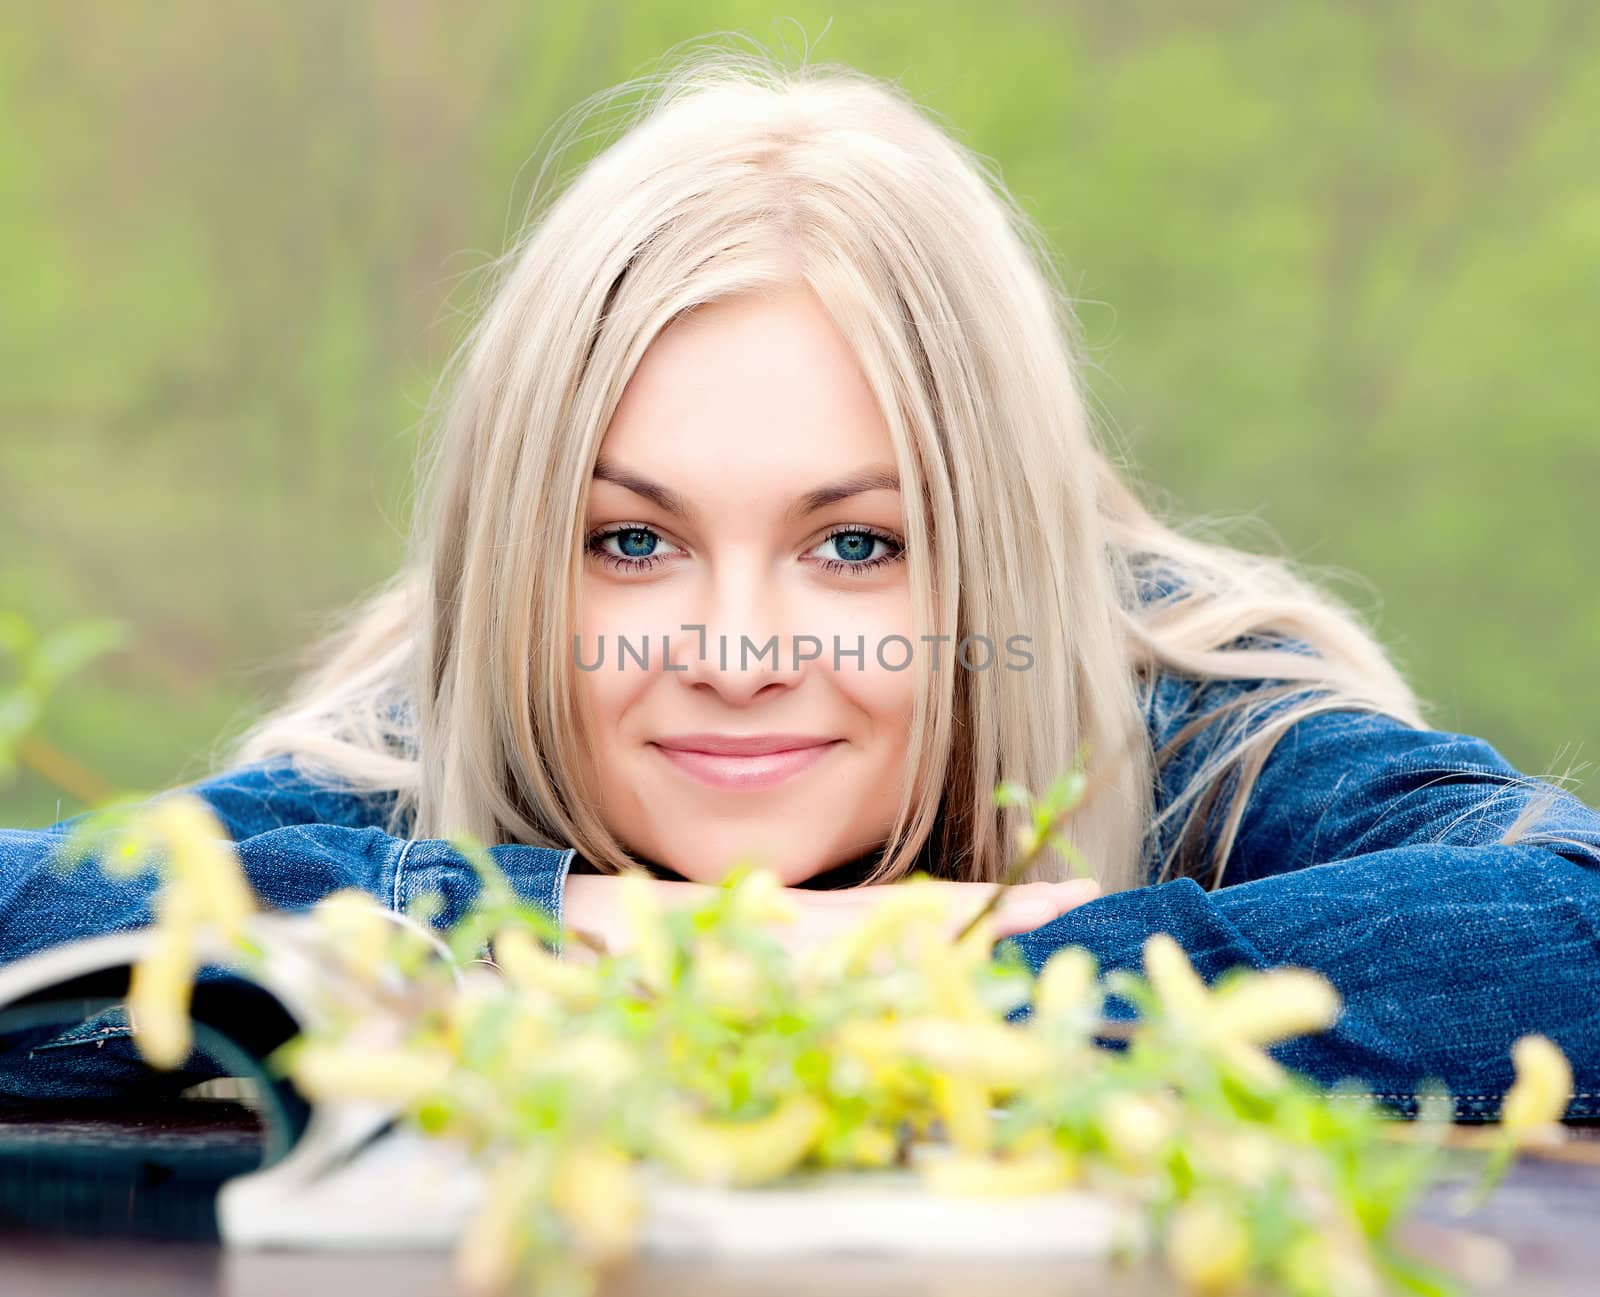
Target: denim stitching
1458,1098
399,871
557,895
98,1034
1580,1108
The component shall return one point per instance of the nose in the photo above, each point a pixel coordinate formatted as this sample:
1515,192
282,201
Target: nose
736,642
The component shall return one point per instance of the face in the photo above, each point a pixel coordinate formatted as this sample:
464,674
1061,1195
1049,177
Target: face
746,485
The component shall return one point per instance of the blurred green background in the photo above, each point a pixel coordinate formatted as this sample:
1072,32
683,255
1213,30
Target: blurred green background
1337,265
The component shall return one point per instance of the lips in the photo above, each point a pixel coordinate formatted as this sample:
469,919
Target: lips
744,763
742,745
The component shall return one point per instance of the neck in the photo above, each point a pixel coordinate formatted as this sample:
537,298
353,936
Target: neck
852,873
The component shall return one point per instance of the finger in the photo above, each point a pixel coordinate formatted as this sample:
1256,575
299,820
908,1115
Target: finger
1023,910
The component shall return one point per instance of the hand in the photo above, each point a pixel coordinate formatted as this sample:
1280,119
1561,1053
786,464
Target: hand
1022,908
593,906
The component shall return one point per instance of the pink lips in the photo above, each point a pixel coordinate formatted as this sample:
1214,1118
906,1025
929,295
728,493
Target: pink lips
744,762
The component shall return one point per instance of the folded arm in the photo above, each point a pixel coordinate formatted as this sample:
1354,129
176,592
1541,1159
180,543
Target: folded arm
297,840
1371,852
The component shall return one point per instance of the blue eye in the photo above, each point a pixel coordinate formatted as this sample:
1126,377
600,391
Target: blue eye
631,549
636,542
639,548
855,547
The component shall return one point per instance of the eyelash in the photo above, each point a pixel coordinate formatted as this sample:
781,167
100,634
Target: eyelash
595,546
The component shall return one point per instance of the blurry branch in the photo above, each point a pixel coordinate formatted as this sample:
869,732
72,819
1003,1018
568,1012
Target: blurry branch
38,664
63,770
1046,815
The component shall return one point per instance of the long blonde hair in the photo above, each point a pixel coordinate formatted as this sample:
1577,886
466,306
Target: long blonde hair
453,685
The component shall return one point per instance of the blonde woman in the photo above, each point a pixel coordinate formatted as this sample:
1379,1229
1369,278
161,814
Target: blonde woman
766,521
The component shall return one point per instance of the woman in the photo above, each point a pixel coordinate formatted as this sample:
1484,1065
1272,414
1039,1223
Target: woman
767,521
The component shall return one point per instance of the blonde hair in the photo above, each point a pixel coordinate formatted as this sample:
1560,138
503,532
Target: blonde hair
453,685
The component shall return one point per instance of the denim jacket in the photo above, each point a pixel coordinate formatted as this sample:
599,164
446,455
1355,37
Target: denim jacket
1367,851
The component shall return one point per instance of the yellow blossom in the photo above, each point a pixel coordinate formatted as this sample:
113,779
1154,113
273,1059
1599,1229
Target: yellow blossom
739,1152
993,1053
1314,1262
873,1041
1276,1005
1252,1009
201,859
354,925
1041,1171
1003,1057
324,1071
126,850
601,1061
867,1145
466,1011
201,883
963,1106
1206,1247
652,943
528,1036
870,1054
946,969
1027,838
907,905
529,966
159,992
1539,1096
492,1245
488,1029
1179,988
1250,1064
759,897
1137,1127
1067,986
727,980
1247,1157
594,1190
176,906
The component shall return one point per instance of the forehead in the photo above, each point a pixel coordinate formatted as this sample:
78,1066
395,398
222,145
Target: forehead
751,392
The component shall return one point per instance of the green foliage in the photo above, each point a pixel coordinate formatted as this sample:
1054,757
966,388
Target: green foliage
35,667
706,1050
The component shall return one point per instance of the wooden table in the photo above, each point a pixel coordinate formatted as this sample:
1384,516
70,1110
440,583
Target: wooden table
1544,1218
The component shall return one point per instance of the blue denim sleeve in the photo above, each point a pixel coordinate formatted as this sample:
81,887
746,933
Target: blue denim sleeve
297,840
1369,851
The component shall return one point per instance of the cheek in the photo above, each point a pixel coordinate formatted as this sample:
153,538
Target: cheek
872,684
885,697
606,694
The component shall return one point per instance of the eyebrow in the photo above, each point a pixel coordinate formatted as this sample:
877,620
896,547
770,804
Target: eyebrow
873,478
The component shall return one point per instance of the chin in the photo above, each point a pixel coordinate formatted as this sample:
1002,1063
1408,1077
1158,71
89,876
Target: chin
710,862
